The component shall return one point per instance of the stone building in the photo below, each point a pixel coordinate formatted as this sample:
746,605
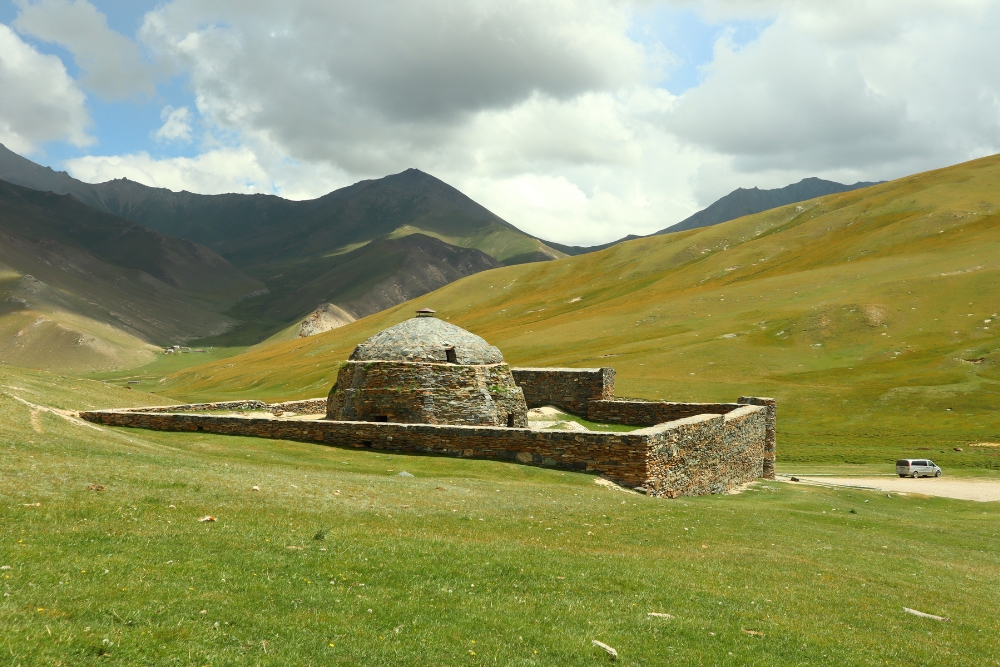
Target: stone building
428,386
427,371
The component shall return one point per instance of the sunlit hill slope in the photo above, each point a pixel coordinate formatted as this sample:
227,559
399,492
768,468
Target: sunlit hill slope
871,316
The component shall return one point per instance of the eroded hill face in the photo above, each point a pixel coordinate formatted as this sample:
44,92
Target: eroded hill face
80,289
871,315
297,248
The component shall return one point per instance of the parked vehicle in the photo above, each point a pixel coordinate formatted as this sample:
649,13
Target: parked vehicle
917,468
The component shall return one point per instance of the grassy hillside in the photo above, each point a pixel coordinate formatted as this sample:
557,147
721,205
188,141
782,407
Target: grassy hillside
325,556
747,201
870,315
375,276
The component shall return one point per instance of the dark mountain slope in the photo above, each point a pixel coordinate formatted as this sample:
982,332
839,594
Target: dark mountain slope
743,201
294,246
369,279
245,228
736,204
81,289
189,267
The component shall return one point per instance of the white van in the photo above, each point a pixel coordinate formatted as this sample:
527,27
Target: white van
917,468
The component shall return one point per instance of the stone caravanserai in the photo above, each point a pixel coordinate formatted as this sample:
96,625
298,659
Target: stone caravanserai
428,386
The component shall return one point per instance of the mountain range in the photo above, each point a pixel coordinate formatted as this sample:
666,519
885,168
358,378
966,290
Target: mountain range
81,288
738,203
237,269
744,201
871,316
359,249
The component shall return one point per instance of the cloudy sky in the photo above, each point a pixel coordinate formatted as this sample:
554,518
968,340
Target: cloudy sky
579,121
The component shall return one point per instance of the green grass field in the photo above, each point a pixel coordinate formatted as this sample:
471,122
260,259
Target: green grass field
466,562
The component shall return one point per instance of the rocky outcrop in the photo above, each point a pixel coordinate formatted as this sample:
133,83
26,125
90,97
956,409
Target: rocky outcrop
325,318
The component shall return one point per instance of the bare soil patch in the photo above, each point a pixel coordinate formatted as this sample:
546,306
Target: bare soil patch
983,490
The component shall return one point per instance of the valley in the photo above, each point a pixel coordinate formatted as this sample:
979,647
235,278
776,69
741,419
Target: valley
869,315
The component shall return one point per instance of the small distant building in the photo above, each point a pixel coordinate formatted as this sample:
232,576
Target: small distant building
427,371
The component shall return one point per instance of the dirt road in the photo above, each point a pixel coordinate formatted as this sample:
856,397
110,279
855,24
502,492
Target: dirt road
983,490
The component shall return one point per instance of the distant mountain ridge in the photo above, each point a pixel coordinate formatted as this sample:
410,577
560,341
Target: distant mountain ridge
744,201
738,203
296,247
83,289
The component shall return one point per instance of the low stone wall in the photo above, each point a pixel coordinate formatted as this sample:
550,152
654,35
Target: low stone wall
572,389
648,413
645,413
770,435
708,453
690,456
310,406
619,456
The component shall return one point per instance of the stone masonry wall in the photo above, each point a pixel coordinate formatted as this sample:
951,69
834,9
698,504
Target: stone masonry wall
619,456
571,389
427,393
707,453
309,406
770,438
691,456
648,413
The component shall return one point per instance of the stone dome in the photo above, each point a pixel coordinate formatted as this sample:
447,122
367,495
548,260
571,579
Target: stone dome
427,339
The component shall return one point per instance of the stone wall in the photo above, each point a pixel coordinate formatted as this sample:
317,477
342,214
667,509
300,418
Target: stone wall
691,456
427,393
771,435
619,456
571,389
648,413
310,406
707,453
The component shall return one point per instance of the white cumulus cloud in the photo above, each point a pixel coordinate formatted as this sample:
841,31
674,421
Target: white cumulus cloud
552,114
113,65
39,101
176,124
213,172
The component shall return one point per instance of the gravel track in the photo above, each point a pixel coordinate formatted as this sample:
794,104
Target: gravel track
983,490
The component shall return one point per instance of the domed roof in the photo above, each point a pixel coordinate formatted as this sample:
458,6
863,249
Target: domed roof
427,339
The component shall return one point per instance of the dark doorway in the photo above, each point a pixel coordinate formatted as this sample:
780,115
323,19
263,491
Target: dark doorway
510,421
449,354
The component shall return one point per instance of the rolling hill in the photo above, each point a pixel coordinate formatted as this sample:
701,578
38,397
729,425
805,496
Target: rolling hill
294,246
738,203
871,315
747,201
82,289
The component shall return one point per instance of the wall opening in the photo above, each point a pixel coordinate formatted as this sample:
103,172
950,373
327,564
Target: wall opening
449,354
510,421
379,418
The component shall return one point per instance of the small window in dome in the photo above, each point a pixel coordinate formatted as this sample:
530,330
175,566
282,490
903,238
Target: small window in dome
449,354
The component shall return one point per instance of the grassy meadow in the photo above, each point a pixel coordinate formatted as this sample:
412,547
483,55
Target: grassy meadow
870,315
334,559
